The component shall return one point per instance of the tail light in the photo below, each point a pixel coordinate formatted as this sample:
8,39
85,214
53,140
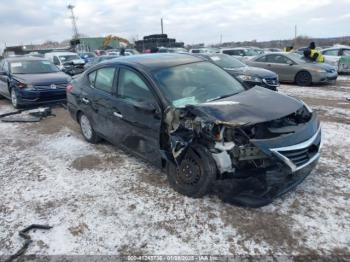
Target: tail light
69,88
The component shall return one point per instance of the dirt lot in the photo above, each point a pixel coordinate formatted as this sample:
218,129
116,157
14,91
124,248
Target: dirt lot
100,200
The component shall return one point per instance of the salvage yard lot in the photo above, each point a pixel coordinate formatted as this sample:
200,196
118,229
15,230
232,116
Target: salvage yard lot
101,200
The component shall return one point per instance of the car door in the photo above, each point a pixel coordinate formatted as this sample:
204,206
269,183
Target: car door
332,55
99,100
140,114
282,65
4,67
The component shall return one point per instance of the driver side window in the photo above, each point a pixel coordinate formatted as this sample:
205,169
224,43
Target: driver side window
132,87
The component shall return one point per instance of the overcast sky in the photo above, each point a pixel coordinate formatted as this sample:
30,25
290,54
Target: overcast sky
191,21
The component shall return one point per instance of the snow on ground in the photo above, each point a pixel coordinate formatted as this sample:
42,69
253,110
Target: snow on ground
101,200
324,92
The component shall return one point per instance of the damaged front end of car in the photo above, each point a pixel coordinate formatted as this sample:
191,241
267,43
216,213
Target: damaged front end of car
256,160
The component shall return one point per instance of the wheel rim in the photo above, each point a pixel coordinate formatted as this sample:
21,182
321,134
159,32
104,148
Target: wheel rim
86,127
189,172
304,78
13,98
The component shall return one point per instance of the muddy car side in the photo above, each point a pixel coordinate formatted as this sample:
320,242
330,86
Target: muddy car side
252,145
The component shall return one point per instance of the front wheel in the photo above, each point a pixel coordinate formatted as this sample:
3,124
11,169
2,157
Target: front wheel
87,130
303,78
14,99
195,175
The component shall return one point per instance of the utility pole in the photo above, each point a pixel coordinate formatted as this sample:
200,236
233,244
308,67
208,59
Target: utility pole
220,39
295,35
161,25
74,22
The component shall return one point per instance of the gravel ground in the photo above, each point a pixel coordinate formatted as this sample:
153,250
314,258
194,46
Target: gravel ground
101,200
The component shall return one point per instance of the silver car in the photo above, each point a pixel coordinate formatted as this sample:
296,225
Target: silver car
293,68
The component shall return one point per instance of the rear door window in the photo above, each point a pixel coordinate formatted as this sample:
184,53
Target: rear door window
278,59
104,79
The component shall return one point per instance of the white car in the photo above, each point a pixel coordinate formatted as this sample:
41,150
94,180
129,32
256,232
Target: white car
338,56
240,53
69,62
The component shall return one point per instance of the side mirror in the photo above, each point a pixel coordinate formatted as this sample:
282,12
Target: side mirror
290,63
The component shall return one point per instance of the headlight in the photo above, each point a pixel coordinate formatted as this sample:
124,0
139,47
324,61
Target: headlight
250,78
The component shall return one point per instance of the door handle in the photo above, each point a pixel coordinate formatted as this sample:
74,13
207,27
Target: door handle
85,100
117,114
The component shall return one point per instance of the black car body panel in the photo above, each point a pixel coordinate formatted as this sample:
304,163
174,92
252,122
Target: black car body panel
253,106
262,141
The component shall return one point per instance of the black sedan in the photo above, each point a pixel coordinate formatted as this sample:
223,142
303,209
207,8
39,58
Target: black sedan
31,80
99,59
249,75
209,132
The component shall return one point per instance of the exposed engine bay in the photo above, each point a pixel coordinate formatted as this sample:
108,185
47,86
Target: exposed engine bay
234,145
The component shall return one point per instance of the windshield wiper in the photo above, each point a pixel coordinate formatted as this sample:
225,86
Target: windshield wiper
221,97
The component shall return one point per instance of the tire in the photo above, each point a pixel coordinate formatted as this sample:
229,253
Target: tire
198,176
87,130
14,99
303,78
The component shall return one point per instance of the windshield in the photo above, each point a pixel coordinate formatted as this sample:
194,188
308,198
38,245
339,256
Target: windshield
67,58
196,83
297,58
33,67
226,61
251,52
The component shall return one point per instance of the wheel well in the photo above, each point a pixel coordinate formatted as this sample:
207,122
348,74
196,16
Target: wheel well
78,114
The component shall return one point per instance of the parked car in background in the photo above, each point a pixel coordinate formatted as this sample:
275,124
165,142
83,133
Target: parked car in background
272,50
339,56
87,56
132,51
190,117
100,52
240,53
293,68
99,59
31,80
172,50
68,62
207,50
251,76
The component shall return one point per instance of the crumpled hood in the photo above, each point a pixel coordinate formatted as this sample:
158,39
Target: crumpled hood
253,106
251,71
43,79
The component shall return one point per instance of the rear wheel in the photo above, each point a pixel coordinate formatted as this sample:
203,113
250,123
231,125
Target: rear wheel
195,175
303,78
87,130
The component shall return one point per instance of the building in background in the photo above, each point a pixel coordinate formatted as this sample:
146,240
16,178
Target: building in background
156,41
89,44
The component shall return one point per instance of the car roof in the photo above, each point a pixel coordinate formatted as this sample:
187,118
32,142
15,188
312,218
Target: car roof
25,58
61,53
157,61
